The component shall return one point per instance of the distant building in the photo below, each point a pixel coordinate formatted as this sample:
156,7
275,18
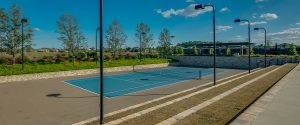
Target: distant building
240,48
53,50
43,50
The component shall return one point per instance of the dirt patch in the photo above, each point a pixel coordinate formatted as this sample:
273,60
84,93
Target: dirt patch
224,110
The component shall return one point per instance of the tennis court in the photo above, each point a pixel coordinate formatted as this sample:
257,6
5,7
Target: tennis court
140,80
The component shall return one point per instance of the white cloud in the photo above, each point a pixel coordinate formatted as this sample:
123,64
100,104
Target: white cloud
258,1
225,9
269,16
189,11
255,23
190,1
287,35
223,28
36,29
290,31
254,15
298,23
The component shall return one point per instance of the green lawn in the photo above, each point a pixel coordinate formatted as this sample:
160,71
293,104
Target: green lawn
6,70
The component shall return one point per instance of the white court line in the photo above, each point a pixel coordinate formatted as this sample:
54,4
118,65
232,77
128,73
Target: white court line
129,80
169,84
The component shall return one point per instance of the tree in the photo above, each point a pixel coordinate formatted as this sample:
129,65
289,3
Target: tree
293,50
228,51
165,43
175,50
71,36
276,49
115,38
211,51
194,50
11,35
180,50
144,36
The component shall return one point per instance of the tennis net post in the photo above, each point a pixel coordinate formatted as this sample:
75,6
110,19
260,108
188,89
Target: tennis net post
200,75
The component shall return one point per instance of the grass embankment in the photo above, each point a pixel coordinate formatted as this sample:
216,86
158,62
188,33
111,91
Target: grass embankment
166,112
226,109
6,70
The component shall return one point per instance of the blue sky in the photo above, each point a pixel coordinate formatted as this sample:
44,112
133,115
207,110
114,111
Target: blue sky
281,18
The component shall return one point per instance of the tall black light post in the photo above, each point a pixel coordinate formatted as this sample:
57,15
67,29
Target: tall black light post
101,63
96,56
265,43
199,7
172,37
141,37
22,24
249,38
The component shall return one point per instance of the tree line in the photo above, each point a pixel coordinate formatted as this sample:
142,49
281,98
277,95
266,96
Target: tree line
72,37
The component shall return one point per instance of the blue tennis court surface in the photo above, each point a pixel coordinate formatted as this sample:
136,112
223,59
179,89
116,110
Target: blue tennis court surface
125,83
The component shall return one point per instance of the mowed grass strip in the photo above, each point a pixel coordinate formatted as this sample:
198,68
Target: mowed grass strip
131,111
6,70
224,110
166,112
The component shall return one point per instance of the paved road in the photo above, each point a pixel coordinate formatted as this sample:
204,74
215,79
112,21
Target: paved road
279,106
284,108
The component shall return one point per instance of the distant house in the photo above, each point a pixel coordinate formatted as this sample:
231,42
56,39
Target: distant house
43,50
53,50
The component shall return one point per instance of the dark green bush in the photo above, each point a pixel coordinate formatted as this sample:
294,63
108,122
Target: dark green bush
5,60
82,56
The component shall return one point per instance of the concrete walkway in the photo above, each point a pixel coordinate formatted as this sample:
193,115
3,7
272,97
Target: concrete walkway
279,106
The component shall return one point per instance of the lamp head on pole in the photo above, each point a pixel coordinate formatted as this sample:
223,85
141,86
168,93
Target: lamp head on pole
256,28
237,20
24,20
199,7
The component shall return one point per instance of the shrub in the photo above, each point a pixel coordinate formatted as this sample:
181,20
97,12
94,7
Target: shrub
108,57
19,59
91,54
4,59
154,56
129,56
194,50
82,56
121,56
59,58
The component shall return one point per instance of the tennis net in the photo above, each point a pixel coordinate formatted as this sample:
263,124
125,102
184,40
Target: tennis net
182,73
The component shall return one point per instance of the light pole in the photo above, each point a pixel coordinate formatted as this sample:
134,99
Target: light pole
96,56
141,37
249,38
22,23
199,7
101,63
172,37
265,43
